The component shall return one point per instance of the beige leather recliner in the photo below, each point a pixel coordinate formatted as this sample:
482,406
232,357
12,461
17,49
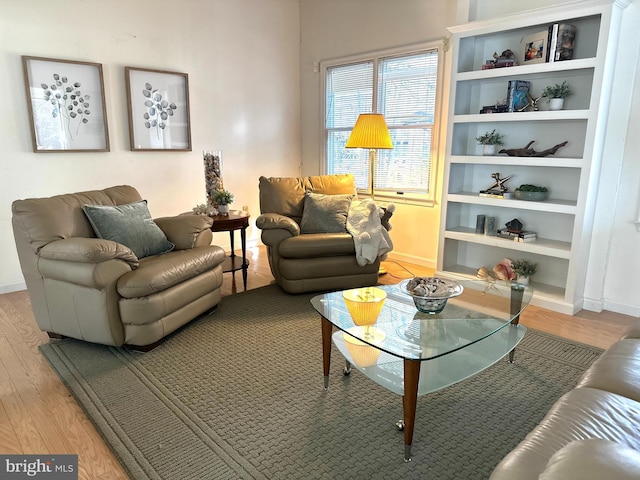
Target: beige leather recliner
307,262
97,290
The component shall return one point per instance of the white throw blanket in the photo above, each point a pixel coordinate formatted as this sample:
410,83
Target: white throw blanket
370,238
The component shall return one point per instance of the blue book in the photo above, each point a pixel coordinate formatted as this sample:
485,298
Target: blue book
517,95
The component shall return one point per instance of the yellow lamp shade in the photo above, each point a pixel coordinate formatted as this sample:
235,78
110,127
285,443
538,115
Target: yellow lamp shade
364,304
370,131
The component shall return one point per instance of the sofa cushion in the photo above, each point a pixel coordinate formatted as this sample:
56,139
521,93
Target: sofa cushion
131,225
617,370
317,245
325,213
158,273
579,414
593,459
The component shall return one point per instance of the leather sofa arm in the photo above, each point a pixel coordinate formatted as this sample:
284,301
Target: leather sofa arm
272,221
88,250
187,231
593,459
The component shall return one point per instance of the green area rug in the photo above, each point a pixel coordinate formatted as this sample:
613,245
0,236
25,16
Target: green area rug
238,394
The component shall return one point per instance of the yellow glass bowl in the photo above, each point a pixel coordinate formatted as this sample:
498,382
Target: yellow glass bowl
363,355
364,304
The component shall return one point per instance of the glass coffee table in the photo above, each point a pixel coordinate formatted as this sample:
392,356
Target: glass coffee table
413,353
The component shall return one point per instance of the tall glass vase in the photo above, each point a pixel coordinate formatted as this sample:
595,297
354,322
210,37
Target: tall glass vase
212,175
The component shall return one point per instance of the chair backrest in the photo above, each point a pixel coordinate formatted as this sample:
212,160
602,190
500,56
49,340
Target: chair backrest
40,221
285,195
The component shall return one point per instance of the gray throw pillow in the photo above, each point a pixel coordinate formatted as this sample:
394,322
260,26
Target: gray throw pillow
130,225
325,213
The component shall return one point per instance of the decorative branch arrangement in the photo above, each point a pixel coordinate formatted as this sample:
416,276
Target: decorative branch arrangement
158,109
530,152
67,102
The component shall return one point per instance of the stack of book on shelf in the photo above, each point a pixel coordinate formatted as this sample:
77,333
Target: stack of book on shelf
561,42
521,236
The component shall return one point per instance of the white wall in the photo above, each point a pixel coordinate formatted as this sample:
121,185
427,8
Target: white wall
242,58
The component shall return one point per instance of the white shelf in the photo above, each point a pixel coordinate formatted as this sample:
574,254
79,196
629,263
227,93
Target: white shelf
541,246
550,205
545,296
527,69
552,162
541,116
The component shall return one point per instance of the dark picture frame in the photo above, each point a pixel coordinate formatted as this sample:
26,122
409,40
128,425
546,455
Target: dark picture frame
66,105
158,104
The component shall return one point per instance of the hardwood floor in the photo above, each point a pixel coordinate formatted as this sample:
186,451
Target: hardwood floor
38,415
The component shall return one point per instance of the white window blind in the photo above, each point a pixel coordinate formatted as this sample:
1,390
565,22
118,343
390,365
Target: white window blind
404,88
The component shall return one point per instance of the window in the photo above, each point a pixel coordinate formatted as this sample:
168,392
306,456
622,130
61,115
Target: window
404,87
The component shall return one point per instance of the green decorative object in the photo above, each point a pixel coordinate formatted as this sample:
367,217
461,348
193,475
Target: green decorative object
491,138
559,90
223,197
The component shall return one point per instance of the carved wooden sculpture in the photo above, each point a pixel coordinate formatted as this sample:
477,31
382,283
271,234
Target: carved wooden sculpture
530,152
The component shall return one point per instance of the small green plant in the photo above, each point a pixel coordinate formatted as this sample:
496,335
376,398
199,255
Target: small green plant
223,197
531,188
562,90
490,138
524,268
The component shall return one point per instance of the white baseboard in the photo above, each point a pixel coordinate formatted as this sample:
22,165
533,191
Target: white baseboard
402,257
14,287
593,305
623,308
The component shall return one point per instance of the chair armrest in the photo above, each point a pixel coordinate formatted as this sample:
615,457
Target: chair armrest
272,221
187,231
88,250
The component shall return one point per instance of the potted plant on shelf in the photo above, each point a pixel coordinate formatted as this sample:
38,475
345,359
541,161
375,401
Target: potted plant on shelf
532,193
490,141
223,198
523,269
556,94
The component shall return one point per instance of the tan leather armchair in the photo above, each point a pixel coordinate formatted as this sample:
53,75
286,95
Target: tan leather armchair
307,262
98,290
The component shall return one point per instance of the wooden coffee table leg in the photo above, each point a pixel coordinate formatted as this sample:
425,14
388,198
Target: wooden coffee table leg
409,401
327,328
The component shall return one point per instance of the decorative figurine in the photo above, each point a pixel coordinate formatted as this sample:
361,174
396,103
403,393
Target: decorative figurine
532,103
498,187
530,152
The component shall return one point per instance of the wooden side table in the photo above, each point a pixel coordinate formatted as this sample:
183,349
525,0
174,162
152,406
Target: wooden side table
235,220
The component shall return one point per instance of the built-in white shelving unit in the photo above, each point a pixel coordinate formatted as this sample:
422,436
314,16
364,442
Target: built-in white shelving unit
563,222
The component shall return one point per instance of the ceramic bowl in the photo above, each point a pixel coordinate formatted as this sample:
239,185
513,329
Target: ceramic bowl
437,292
532,196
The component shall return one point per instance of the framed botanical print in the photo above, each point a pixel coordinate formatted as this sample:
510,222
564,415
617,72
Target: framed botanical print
158,110
66,105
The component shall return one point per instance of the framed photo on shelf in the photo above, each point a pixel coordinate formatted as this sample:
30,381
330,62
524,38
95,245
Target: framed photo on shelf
65,99
534,48
158,104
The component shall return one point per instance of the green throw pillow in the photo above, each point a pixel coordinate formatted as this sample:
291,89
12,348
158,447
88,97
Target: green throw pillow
325,213
131,225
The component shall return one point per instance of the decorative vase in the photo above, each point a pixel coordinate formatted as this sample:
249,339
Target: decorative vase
556,103
223,209
212,174
489,149
522,280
